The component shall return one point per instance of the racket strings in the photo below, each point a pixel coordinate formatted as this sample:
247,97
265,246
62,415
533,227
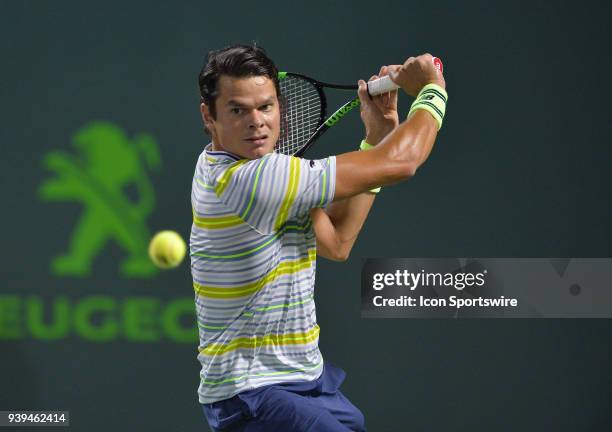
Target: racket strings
301,114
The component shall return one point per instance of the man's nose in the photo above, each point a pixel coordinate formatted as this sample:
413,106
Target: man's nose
256,119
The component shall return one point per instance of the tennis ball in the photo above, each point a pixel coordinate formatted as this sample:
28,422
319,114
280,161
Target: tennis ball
167,249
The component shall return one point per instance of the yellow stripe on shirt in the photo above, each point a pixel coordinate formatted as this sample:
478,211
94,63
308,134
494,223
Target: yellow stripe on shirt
225,178
284,268
290,194
216,222
267,340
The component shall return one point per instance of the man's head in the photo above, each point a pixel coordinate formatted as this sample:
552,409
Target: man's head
240,100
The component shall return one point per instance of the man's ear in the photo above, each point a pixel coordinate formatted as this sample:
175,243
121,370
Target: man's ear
207,117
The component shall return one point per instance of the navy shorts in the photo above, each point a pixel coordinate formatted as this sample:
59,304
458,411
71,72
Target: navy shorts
316,406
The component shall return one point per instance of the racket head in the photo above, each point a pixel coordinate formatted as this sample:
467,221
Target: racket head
303,110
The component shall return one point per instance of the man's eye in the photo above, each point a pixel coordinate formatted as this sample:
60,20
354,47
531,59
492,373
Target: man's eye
266,107
235,110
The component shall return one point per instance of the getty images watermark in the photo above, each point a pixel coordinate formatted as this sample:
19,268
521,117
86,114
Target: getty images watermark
486,288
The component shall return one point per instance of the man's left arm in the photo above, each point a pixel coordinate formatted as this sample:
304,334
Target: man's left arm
337,227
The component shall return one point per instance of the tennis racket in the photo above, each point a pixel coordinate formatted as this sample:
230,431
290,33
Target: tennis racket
304,120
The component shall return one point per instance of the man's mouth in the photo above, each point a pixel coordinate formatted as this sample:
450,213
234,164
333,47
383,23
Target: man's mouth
257,140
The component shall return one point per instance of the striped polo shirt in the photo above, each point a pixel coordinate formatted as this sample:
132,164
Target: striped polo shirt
253,261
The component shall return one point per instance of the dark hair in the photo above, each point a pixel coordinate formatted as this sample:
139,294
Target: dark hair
236,61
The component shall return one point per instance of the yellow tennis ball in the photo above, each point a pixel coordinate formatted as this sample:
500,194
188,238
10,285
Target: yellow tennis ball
167,249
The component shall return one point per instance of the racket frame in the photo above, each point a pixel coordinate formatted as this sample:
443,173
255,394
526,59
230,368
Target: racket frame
375,87
324,123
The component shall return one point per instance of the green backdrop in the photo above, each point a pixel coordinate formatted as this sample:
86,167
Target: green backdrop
520,169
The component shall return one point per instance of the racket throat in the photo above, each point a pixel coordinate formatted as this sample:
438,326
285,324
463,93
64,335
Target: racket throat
341,112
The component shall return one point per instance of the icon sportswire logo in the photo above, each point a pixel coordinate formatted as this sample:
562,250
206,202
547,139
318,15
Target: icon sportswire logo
105,163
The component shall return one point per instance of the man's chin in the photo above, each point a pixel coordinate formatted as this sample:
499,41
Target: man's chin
258,152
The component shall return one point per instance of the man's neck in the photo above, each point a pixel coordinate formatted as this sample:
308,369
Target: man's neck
216,147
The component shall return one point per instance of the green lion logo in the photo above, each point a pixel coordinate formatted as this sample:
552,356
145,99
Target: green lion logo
106,163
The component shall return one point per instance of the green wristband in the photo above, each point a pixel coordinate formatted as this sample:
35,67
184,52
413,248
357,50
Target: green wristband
432,98
365,146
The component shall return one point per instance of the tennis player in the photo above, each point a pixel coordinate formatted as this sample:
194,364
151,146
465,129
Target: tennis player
260,219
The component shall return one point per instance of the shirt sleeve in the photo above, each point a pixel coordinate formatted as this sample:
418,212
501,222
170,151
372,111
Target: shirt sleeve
271,190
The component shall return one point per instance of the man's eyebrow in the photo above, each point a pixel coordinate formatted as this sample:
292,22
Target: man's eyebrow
233,102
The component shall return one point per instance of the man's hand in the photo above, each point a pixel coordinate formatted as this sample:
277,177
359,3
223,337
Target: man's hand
379,113
416,73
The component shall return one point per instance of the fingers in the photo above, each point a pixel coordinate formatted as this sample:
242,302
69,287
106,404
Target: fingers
409,61
391,97
364,96
434,69
416,72
362,92
393,71
383,97
380,99
388,98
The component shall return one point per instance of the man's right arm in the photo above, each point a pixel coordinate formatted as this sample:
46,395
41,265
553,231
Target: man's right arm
398,156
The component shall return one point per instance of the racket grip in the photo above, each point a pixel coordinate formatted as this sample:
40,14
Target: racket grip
381,85
384,84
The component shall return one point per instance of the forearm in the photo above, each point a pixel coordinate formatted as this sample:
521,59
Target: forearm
411,142
395,159
348,217
407,144
336,237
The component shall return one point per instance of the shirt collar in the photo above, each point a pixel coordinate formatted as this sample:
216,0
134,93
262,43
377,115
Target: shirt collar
219,156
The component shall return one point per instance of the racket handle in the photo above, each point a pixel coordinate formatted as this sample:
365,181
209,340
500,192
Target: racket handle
381,85
384,84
